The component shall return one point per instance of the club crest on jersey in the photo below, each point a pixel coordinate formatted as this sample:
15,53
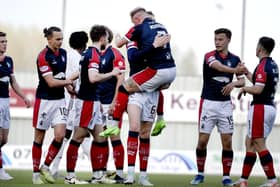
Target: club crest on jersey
120,63
8,65
259,76
229,63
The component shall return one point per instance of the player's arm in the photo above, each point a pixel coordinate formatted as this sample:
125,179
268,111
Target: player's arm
53,82
217,65
121,41
18,91
254,90
234,84
136,55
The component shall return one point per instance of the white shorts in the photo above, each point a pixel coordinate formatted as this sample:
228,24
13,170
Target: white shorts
88,113
49,113
71,114
150,80
216,113
261,119
148,102
5,113
105,115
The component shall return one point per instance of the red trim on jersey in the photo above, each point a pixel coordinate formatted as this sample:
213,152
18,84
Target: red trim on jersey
200,111
36,112
86,113
208,55
258,121
143,76
129,33
260,72
95,59
44,66
118,60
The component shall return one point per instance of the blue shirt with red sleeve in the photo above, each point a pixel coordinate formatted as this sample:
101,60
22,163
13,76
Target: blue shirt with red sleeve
214,80
144,34
90,61
109,59
50,62
6,70
267,74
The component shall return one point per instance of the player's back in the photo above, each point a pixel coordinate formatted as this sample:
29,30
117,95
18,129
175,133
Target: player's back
90,60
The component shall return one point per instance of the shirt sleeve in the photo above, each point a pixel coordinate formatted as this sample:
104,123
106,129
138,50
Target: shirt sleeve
43,64
118,59
94,61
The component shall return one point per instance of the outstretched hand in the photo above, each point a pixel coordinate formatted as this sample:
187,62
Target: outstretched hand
241,91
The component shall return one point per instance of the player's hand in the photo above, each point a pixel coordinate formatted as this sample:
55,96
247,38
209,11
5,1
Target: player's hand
27,102
241,69
241,91
116,71
161,40
227,89
71,89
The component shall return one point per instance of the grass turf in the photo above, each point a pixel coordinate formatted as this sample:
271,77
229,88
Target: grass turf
22,178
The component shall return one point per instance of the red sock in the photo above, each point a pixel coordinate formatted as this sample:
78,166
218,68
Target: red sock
72,155
267,163
52,152
248,164
1,161
144,152
160,104
132,146
99,154
227,157
200,159
118,154
36,156
121,103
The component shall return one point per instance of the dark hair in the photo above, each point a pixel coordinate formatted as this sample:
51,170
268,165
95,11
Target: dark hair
267,43
110,34
49,31
2,34
136,10
97,31
225,31
78,40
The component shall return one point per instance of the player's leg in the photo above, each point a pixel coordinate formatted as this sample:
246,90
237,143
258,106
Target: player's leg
248,163
59,133
99,156
134,112
56,161
36,155
144,153
227,158
128,87
205,125
4,132
160,123
3,140
118,154
72,155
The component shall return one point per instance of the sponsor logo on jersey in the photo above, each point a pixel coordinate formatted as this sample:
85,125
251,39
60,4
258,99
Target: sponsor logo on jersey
221,79
60,75
44,68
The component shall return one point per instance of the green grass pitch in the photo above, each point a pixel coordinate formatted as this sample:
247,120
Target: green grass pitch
22,178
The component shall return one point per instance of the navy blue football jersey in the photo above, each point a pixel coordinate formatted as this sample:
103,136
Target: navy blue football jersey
89,62
144,34
266,73
50,62
109,59
214,80
6,70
